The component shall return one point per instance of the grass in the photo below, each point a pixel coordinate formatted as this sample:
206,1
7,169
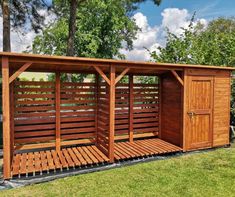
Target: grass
204,174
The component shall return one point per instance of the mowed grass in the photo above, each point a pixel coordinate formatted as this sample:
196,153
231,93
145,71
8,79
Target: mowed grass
209,173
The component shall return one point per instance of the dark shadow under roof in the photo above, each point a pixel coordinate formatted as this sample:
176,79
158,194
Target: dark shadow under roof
46,63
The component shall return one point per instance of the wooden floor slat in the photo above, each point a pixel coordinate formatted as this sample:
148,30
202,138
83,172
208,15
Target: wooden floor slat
50,160
141,148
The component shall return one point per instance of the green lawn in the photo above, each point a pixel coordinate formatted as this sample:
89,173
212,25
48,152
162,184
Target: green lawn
204,174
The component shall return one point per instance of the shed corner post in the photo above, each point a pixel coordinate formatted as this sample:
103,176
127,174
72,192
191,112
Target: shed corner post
97,90
6,119
184,110
58,119
131,101
111,113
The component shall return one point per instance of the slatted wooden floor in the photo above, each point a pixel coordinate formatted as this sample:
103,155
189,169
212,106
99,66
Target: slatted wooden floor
45,161
49,160
143,148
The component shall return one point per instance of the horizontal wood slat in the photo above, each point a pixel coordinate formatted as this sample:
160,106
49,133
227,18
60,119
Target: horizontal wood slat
35,112
145,109
143,148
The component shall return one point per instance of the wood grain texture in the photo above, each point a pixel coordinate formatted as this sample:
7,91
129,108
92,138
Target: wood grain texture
19,71
171,109
221,120
143,148
111,113
220,105
50,160
50,63
6,119
200,112
57,108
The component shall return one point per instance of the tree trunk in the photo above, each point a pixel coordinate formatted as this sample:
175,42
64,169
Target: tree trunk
72,27
6,26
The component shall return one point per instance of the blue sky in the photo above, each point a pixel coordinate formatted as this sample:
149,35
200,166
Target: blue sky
208,9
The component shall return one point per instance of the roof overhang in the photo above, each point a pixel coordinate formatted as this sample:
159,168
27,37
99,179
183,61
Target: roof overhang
46,63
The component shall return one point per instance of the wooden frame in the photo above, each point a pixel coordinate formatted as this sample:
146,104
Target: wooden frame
6,118
99,114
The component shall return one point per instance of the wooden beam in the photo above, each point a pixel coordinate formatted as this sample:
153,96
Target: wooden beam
102,74
19,71
160,106
97,91
131,101
177,77
121,75
111,113
57,102
6,119
12,114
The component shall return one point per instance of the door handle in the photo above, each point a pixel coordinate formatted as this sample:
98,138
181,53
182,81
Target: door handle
191,114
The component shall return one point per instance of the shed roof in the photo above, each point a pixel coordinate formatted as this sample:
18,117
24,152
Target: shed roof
46,63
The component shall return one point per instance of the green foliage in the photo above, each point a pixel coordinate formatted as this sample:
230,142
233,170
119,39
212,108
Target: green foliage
146,79
102,28
63,78
213,45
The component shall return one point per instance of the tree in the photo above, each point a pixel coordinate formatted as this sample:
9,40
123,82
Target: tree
18,14
102,27
74,5
211,45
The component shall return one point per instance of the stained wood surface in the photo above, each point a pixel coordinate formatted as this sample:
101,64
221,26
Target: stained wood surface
111,113
47,63
136,110
103,117
50,160
199,134
221,113
171,109
220,104
37,162
48,112
7,151
143,148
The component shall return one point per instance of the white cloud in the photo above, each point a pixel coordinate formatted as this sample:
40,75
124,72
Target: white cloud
152,37
19,41
145,38
174,19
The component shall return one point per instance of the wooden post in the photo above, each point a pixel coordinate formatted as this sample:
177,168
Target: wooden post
6,119
12,125
111,113
97,90
159,106
57,103
131,101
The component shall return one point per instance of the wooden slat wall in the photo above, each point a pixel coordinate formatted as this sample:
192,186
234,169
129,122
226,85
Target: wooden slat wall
35,106
171,113
145,110
103,117
34,112
122,111
78,104
221,108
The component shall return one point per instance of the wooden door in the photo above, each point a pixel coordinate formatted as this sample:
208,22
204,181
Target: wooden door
200,111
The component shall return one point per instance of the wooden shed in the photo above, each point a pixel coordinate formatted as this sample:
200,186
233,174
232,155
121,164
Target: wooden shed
57,125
